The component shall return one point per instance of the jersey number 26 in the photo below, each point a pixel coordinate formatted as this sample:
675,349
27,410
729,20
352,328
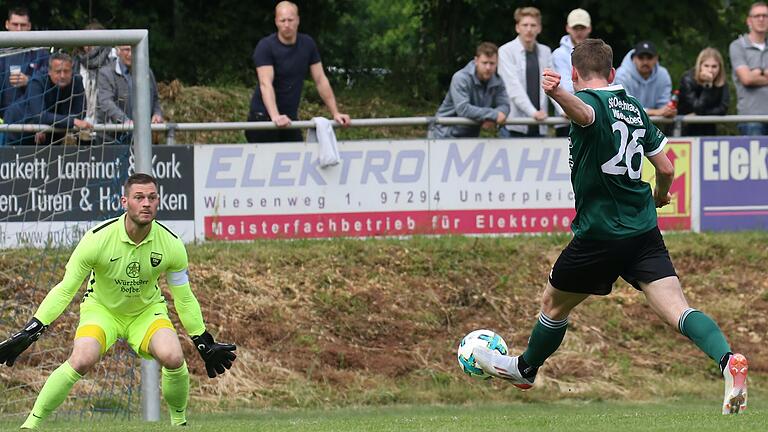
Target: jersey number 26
627,150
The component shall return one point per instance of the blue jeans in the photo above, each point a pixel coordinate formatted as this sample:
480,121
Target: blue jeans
754,128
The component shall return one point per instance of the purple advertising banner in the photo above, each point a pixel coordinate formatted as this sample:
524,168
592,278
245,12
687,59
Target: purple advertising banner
734,183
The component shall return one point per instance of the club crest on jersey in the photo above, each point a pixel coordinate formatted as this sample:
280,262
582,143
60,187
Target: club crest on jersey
133,269
155,258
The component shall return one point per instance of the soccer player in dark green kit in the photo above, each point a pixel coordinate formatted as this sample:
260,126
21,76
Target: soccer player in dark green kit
615,231
123,259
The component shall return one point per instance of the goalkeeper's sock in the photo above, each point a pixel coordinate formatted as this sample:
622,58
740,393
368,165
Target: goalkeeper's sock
175,383
546,337
55,390
704,332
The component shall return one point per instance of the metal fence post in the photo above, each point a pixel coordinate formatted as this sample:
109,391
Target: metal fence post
677,130
170,134
150,390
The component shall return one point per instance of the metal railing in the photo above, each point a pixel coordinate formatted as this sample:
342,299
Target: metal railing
170,129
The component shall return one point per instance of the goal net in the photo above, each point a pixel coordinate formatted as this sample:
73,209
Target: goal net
57,180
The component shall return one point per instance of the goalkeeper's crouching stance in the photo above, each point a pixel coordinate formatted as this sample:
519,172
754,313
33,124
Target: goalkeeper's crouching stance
123,259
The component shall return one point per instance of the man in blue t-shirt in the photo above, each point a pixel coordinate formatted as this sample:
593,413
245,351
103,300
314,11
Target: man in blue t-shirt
282,60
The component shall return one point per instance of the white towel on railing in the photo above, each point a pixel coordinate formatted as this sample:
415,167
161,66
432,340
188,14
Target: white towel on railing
323,134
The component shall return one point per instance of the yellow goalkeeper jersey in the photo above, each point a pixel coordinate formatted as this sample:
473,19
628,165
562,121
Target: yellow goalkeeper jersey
123,275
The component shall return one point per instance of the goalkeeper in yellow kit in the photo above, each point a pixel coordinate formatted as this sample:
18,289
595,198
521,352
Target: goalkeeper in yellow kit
123,259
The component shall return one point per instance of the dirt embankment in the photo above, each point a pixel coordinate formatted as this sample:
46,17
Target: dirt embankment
337,322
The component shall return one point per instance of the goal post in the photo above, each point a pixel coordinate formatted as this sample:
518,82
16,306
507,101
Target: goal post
142,136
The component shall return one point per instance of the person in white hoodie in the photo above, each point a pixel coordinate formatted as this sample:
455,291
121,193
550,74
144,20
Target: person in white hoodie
643,77
578,26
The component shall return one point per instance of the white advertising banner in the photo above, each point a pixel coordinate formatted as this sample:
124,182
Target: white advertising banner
380,188
69,233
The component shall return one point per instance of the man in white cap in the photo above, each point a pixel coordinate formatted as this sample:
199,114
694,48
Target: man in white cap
578,25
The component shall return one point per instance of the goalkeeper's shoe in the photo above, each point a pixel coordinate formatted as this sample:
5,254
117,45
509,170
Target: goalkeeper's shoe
735,375
501,366
178,417
12,347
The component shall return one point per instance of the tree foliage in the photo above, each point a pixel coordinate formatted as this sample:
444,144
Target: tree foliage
418,43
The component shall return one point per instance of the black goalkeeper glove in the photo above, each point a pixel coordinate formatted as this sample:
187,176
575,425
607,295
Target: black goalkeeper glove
216,356
20,341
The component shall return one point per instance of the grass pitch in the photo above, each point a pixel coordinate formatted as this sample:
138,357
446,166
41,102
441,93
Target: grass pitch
673,415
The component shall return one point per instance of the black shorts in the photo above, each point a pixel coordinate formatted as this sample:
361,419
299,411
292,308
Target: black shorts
592,266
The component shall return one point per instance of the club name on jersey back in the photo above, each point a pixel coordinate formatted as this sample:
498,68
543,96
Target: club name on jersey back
625,111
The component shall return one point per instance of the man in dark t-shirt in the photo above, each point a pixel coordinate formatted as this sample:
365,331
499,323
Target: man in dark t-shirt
282,60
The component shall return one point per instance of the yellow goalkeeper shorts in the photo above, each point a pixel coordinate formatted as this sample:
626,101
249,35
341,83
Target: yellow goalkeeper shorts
98,322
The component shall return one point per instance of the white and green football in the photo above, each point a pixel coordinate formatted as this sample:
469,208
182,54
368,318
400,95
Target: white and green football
482,337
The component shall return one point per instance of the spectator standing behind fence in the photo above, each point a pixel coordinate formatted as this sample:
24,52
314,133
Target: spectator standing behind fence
703,92
643,77
749,61
88,60
282,60
18,67
56,99
476,92
578,26
520,64
115,85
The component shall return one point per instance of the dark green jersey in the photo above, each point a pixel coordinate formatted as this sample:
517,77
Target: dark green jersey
606,160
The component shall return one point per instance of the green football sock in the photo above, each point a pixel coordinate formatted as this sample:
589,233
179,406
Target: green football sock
546,337
175,383
704,332
55,390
